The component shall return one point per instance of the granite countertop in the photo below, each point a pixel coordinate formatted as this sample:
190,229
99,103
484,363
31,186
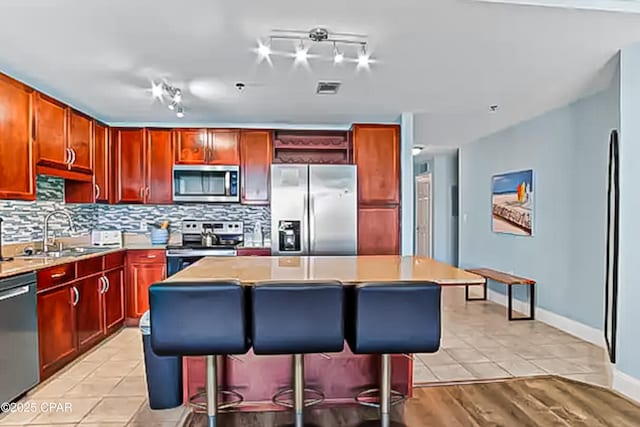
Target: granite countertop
347,269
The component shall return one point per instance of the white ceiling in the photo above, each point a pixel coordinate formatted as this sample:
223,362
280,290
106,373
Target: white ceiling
445,60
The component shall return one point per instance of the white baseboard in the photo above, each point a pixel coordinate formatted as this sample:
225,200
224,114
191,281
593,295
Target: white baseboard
570,326
626,384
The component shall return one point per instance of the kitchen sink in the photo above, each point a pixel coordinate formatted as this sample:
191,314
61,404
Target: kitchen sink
69,252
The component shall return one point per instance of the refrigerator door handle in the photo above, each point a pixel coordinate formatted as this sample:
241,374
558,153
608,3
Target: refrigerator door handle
312,225
305,225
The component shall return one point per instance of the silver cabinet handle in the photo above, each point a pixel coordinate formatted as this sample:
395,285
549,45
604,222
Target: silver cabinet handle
142,193
103,285
73,155
147,192
76,292
97,191
67,156
108,282
151,256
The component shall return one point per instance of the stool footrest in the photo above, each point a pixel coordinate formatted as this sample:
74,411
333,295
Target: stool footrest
199,400
374,393
288,403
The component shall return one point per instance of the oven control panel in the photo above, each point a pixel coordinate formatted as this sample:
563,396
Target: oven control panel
216,227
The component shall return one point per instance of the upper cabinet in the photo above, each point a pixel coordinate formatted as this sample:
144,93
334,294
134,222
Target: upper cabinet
130,149
51,132
205,146
255,154
80,142
159,166
376,153
102,166
17,167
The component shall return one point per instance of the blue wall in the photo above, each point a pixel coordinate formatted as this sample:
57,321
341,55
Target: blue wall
567,150
628,360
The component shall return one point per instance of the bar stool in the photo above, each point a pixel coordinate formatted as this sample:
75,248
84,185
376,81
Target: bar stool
201,319
297,318
392,318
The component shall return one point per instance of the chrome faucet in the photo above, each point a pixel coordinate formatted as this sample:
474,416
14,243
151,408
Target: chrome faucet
45,238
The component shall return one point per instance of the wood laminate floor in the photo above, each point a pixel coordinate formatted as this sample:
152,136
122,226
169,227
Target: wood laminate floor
540,401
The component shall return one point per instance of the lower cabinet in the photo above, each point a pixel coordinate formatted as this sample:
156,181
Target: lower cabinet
89,311
113,300
56,328
379,230
145,267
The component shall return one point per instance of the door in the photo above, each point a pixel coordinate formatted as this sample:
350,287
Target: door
376,153
142,277
192,146
159,167
255,154
113,298
51,132
224,147
89,311
102,164
289,203
424,212
333,210
130,169
56,328
80,142
378,231
17,166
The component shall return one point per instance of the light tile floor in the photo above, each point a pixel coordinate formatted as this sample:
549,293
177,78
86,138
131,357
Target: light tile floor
106,387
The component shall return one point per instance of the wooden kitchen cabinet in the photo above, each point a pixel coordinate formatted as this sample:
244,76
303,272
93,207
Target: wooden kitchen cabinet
192,146
102,166
17,165
224,147
80,142
89,325
51,132
56,329
256,151
379,230
113,300
159,167
376,152
144,269
129,148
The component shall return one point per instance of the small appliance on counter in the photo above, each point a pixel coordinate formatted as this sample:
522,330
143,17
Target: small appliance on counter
159,233
106,238
204,238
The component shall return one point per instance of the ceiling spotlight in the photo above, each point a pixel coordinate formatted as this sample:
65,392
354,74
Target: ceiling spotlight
338,56
363,58
416,149
157,90
264,49
301,53
173,105
177,95
180,112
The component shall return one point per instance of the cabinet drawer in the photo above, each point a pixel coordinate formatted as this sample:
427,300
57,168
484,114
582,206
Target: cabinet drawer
153,256
114,260
53,276
90,266
254,252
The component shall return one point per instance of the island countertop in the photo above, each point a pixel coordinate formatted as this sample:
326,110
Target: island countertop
347,269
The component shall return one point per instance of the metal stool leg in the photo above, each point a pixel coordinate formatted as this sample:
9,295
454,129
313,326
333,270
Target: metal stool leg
298,388
385,385
212,390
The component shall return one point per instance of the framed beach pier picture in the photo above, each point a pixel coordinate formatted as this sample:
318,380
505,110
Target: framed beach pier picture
512,203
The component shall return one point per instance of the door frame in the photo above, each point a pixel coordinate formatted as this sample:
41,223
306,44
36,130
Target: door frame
421,180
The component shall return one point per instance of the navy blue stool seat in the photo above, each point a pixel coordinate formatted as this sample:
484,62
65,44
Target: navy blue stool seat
392,318
297,318
201,319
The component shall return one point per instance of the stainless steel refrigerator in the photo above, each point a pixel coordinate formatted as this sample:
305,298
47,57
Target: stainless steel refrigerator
314,210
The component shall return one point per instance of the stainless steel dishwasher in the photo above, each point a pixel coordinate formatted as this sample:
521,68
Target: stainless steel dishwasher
18,336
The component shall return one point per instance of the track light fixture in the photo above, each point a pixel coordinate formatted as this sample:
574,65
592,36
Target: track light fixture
162,90
340,42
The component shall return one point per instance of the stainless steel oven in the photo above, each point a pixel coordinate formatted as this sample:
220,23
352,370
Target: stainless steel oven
206,183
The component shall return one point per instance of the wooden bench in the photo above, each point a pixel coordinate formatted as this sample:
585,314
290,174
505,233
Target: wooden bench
510,280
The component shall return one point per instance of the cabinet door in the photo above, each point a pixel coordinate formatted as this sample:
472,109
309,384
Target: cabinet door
191,146
56,329
102,163
376,152
159,167
130,161
142,276
378,231
113,300
223,148
81,142
255,157
51,132
89,311
17,168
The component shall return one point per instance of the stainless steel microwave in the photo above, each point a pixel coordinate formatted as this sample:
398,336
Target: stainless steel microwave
206,183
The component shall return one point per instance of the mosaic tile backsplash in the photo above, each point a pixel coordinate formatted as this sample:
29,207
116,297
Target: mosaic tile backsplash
23,221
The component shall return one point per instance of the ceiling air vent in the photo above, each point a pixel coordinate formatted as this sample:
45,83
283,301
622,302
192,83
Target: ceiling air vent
328,88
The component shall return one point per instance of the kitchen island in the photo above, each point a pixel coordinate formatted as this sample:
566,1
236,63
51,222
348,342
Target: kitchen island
339,377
